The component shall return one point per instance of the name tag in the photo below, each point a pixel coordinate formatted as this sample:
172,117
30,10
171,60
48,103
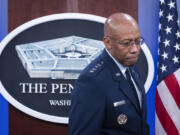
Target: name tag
119,103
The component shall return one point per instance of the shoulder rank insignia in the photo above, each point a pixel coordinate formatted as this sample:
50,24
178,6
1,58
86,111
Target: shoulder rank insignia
96,67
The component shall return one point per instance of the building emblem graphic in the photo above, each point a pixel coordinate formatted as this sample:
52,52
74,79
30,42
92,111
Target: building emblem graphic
61,58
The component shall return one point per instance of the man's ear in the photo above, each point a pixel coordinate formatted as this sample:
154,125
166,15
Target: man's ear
107,43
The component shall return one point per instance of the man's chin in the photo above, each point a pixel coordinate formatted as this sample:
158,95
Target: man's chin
130,61
129,64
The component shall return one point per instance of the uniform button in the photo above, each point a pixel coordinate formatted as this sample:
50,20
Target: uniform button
122,119
118,74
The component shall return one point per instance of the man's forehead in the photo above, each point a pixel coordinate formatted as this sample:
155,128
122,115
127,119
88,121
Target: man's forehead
125,30
126,35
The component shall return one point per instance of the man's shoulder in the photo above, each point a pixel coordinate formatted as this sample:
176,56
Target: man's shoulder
94,68
90,78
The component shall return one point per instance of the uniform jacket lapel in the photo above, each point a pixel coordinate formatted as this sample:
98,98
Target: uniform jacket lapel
119,77
141,88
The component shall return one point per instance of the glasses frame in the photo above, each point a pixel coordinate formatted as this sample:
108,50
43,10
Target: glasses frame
130,43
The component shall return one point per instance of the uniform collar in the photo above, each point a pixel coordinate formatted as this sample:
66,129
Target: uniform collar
120,66
113,67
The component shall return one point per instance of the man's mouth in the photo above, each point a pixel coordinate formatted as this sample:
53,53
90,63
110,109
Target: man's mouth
132,58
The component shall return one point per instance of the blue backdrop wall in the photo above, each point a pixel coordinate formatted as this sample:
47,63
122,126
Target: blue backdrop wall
148,14
3,102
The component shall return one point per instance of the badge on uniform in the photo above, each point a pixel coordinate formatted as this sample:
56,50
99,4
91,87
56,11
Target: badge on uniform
119,103
122,119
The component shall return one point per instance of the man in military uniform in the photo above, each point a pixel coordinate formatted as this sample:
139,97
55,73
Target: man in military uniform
109,98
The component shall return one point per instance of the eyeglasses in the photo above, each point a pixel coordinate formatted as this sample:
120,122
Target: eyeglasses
128,42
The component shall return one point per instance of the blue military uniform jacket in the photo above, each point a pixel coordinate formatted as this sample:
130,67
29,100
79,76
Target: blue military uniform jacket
103,103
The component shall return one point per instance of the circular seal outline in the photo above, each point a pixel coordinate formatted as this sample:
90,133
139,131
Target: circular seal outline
49,18
150,63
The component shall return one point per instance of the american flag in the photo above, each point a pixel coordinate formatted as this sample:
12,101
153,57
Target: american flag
168,88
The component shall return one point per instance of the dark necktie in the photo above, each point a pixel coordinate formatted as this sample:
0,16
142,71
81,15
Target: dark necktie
128,77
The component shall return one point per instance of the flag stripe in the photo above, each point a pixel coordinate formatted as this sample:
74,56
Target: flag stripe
177,75
169,104
173,86
164,117
159,128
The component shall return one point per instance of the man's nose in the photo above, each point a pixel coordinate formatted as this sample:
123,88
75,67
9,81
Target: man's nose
134,48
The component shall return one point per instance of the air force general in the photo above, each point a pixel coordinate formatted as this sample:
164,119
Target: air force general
109,97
